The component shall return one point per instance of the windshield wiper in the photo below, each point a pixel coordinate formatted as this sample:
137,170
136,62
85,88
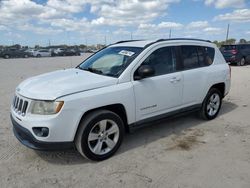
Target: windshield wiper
92,70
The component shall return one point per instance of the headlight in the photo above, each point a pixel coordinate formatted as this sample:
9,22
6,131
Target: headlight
46,107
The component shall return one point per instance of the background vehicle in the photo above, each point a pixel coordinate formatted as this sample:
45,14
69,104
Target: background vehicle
31,52
42,53
68,52
236,54
12,53
121,87
57,51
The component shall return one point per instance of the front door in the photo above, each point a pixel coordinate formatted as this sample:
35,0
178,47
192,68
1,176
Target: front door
161,92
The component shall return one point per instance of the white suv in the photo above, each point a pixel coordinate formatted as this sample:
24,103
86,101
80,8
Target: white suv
118,89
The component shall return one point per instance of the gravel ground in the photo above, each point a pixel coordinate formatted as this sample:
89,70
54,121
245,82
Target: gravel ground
177,153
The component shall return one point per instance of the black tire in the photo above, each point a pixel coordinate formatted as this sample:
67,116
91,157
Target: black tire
6,56
87,125
38,55
204,112
242,61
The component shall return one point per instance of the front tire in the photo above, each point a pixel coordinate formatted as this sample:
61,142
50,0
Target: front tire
99,135
211,104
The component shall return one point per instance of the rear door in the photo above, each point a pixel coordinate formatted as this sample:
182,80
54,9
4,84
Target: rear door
195,67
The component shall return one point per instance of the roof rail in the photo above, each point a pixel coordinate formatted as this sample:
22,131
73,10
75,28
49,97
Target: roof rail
160,40
123,41
191,39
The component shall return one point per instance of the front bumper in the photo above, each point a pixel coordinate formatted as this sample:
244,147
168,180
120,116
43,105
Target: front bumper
27,139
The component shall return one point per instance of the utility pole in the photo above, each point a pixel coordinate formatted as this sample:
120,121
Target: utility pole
105,40
170,33
131,35
228,26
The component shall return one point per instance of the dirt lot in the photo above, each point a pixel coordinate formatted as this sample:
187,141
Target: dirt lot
177,153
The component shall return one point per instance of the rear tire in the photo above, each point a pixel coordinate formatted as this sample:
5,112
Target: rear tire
211,104
242,62
99,135
6,56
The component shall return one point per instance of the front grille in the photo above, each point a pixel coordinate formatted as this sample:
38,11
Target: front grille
20,105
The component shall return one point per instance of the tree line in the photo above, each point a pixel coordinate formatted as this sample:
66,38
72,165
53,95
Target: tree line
231,41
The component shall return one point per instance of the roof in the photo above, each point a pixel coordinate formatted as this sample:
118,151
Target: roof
145,43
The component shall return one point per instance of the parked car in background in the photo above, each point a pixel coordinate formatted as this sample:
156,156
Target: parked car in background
13,52
42,53
69,52
31,52
236,54
57,51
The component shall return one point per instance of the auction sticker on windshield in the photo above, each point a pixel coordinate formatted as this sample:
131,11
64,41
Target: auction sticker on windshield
126,53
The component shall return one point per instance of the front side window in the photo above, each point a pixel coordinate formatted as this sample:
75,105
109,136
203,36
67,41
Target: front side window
111,61
162,60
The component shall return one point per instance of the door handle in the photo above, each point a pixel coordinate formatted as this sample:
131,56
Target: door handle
174,80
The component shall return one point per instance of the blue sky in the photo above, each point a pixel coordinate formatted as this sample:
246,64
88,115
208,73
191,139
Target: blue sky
98,21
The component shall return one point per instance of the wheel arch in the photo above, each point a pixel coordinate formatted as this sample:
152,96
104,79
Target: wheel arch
220,86
118,108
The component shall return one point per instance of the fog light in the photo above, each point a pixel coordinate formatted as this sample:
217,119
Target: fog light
41,131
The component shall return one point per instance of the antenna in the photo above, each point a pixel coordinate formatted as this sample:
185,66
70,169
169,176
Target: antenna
69,44
227,32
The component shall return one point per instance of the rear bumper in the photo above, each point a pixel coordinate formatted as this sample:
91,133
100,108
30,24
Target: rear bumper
232,59
27,139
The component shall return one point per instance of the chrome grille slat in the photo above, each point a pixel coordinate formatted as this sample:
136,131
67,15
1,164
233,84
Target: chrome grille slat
20,105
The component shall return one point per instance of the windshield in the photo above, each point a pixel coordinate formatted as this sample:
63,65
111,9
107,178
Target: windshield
110,61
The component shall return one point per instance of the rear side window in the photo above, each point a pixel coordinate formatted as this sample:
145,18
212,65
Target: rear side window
190,57
197,56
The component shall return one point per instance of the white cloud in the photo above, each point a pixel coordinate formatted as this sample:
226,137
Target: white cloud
66,5
225,3
3,28
240,15
197,24
213,30
162,25
59,14
130,12
39,30
169,25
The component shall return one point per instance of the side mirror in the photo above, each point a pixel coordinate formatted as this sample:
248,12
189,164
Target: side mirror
144,71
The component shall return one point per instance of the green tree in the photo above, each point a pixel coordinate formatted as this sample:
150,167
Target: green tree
242,41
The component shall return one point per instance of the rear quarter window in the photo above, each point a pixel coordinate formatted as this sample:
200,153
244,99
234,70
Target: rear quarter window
209,55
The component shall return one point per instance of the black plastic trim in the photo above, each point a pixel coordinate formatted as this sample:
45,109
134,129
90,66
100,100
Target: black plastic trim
162,117
27,139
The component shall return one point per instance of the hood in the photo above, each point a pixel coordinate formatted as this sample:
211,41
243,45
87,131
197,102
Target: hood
52,85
